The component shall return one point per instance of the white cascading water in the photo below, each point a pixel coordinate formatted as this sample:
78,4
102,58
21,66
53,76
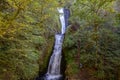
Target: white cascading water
53,72
62,20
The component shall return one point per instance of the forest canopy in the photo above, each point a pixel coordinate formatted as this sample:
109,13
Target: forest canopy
91,48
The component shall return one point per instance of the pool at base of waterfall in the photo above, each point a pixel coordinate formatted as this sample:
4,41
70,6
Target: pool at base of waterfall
51,77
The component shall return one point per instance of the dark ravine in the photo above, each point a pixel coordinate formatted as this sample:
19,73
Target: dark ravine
54,68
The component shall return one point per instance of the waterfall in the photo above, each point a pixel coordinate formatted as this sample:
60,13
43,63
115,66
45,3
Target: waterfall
53,72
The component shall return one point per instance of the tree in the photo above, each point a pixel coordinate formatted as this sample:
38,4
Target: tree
95,21
26,34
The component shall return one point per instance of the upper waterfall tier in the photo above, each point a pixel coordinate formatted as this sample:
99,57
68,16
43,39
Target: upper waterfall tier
62,20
